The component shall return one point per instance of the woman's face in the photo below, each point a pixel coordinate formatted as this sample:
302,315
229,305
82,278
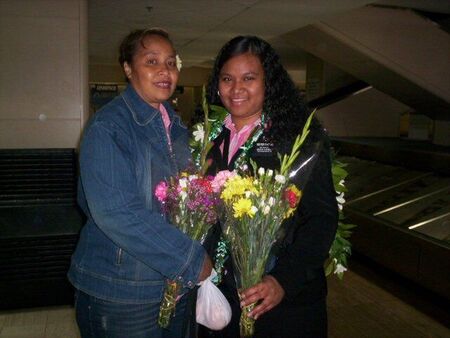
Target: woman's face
241,88
153,71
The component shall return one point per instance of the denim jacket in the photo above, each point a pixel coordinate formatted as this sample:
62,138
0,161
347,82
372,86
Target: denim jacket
127,249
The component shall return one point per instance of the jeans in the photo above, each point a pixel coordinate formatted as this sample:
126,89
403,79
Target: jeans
97,318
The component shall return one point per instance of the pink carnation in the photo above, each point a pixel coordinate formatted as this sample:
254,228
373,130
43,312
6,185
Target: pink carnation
161,191
220,179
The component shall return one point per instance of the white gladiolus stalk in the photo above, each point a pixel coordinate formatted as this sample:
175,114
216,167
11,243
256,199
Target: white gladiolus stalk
280,179
183,195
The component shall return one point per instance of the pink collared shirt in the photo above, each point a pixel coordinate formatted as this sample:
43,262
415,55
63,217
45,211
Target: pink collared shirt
166,121
237,138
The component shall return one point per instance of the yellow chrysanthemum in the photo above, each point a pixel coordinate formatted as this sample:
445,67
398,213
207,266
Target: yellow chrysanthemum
243,207
237,186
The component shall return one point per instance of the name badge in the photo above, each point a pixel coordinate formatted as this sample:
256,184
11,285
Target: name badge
264,148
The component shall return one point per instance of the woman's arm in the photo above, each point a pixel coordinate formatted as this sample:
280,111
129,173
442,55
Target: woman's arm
110,185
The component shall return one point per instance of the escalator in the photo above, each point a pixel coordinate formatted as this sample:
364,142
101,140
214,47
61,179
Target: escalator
399,196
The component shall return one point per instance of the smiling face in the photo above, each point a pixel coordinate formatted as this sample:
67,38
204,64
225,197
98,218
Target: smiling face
241,88
153,71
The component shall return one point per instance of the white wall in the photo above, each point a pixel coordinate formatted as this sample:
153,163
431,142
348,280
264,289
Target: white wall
43,73
369,114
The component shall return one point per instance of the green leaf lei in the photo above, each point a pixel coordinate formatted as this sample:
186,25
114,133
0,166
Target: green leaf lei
213,126
341,248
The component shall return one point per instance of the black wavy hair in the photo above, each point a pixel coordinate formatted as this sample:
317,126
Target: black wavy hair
284,107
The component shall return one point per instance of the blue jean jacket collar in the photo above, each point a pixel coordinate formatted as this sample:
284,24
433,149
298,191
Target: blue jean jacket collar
142,112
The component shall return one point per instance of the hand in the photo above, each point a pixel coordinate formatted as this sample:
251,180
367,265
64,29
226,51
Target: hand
206,269
269,290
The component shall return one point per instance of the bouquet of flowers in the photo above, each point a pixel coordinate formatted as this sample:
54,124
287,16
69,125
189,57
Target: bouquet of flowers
255,206
190,201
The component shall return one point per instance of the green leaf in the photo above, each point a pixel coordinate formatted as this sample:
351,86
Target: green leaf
346,233
218,112
329,269
287,161
347,226
338,171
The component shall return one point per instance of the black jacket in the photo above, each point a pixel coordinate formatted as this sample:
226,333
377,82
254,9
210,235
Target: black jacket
300,256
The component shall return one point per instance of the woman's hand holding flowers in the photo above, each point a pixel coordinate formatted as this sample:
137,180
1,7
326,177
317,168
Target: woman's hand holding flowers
268,290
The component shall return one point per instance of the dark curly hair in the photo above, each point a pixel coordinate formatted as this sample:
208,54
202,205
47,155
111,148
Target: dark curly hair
283,105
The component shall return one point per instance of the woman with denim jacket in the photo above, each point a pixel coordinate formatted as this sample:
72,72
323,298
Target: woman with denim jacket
127,249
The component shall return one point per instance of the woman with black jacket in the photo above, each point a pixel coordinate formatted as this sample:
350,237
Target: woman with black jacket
266,113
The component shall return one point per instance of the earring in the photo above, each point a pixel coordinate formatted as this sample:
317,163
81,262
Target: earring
218,93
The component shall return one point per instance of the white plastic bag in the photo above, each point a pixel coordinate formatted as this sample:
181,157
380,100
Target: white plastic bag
213,309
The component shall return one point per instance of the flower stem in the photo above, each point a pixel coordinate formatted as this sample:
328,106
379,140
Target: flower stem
247,324
167,308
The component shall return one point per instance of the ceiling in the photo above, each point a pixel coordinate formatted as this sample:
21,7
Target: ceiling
200,27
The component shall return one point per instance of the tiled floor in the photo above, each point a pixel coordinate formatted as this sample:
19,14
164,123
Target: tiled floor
364,305
367,304
53,322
